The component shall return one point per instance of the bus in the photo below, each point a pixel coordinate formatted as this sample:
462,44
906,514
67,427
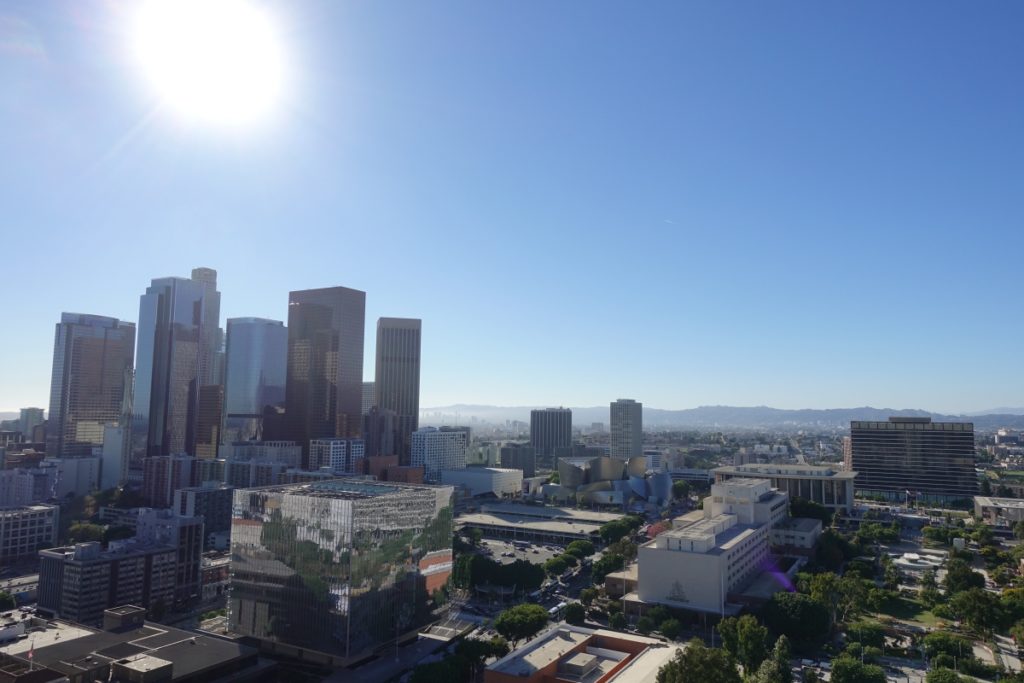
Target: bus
521,544
556,612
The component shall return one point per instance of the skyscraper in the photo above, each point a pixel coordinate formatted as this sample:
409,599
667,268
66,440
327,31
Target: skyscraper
210,367
369,397
256,369
933,461
171,341
28,420
627,423
93,357
397,384
550,430
324,388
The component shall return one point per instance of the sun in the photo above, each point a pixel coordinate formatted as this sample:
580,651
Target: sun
211,61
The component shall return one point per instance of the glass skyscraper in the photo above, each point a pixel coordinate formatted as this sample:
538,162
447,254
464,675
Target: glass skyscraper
342,566
397,384
173,317
324,388
256,369
90,387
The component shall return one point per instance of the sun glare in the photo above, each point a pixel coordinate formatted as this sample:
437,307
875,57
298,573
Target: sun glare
215,61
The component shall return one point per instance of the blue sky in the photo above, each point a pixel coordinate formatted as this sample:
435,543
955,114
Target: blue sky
797,204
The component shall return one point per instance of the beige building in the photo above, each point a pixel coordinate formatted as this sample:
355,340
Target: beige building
999,511
822,484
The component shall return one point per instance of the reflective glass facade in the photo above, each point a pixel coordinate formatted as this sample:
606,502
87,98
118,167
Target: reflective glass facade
341,566
324,388
93,357
932,460
257,359
170,337
397,384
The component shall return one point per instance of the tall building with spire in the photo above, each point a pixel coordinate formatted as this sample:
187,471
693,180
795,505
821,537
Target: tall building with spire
174,350
90,387
397,381
324,387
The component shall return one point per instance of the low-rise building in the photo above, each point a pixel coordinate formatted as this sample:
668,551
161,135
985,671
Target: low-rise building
25,529
999,511
584,655
822,484
482,481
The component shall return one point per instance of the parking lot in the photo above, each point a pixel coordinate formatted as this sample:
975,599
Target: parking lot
507,553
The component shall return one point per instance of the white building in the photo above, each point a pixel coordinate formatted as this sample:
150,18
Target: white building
823,484
24,486
287,452
480,481
23,530
711,552
337,455
439,449
627,429
75,476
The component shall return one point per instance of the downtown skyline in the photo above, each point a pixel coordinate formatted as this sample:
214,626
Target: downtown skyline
796,206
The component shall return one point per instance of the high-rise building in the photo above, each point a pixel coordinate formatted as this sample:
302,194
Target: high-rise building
627,422
397,382
256,369
162,475
369,396
185,534
212,338
30,419
209,420
550,431
519,457
93,358
379,432
341,567
339,455
913,456
324,388
173,320
436,449
212,504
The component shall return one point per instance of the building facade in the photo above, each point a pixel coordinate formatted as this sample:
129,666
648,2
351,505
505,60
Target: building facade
484,481
25,529
436,449
172,333
519,456
338,455
324,386
163,475
340,567
914,457
254,377
397,382
627,429
550,431
90,387
822,484
212,504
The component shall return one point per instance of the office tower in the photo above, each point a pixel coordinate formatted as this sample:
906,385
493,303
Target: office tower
439,449
209,420
185,534
171,338
93,357
520,457
212,336
212,504
338,455
627,422
913,456
379,432
324,388
113,455
256,368
550,429
369,396
162,475
397,382
29,420
340,567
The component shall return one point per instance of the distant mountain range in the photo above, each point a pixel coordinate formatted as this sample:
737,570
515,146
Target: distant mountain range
724,417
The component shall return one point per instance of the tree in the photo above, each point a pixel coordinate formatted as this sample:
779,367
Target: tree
745,639
575,613
942,642
866,633
606,565
978,608
82,532
670,628
1018,529
7,601
474,536
960,577
801,507
580,549
943,675
781,655
698,663
797,616
848,670
117,533
680,489
521,621
556,566
617,620
588,595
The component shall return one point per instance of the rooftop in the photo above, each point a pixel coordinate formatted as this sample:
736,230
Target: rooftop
343,489
548,512
989,501
786,470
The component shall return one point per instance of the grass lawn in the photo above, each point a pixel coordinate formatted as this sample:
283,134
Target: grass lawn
906,609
